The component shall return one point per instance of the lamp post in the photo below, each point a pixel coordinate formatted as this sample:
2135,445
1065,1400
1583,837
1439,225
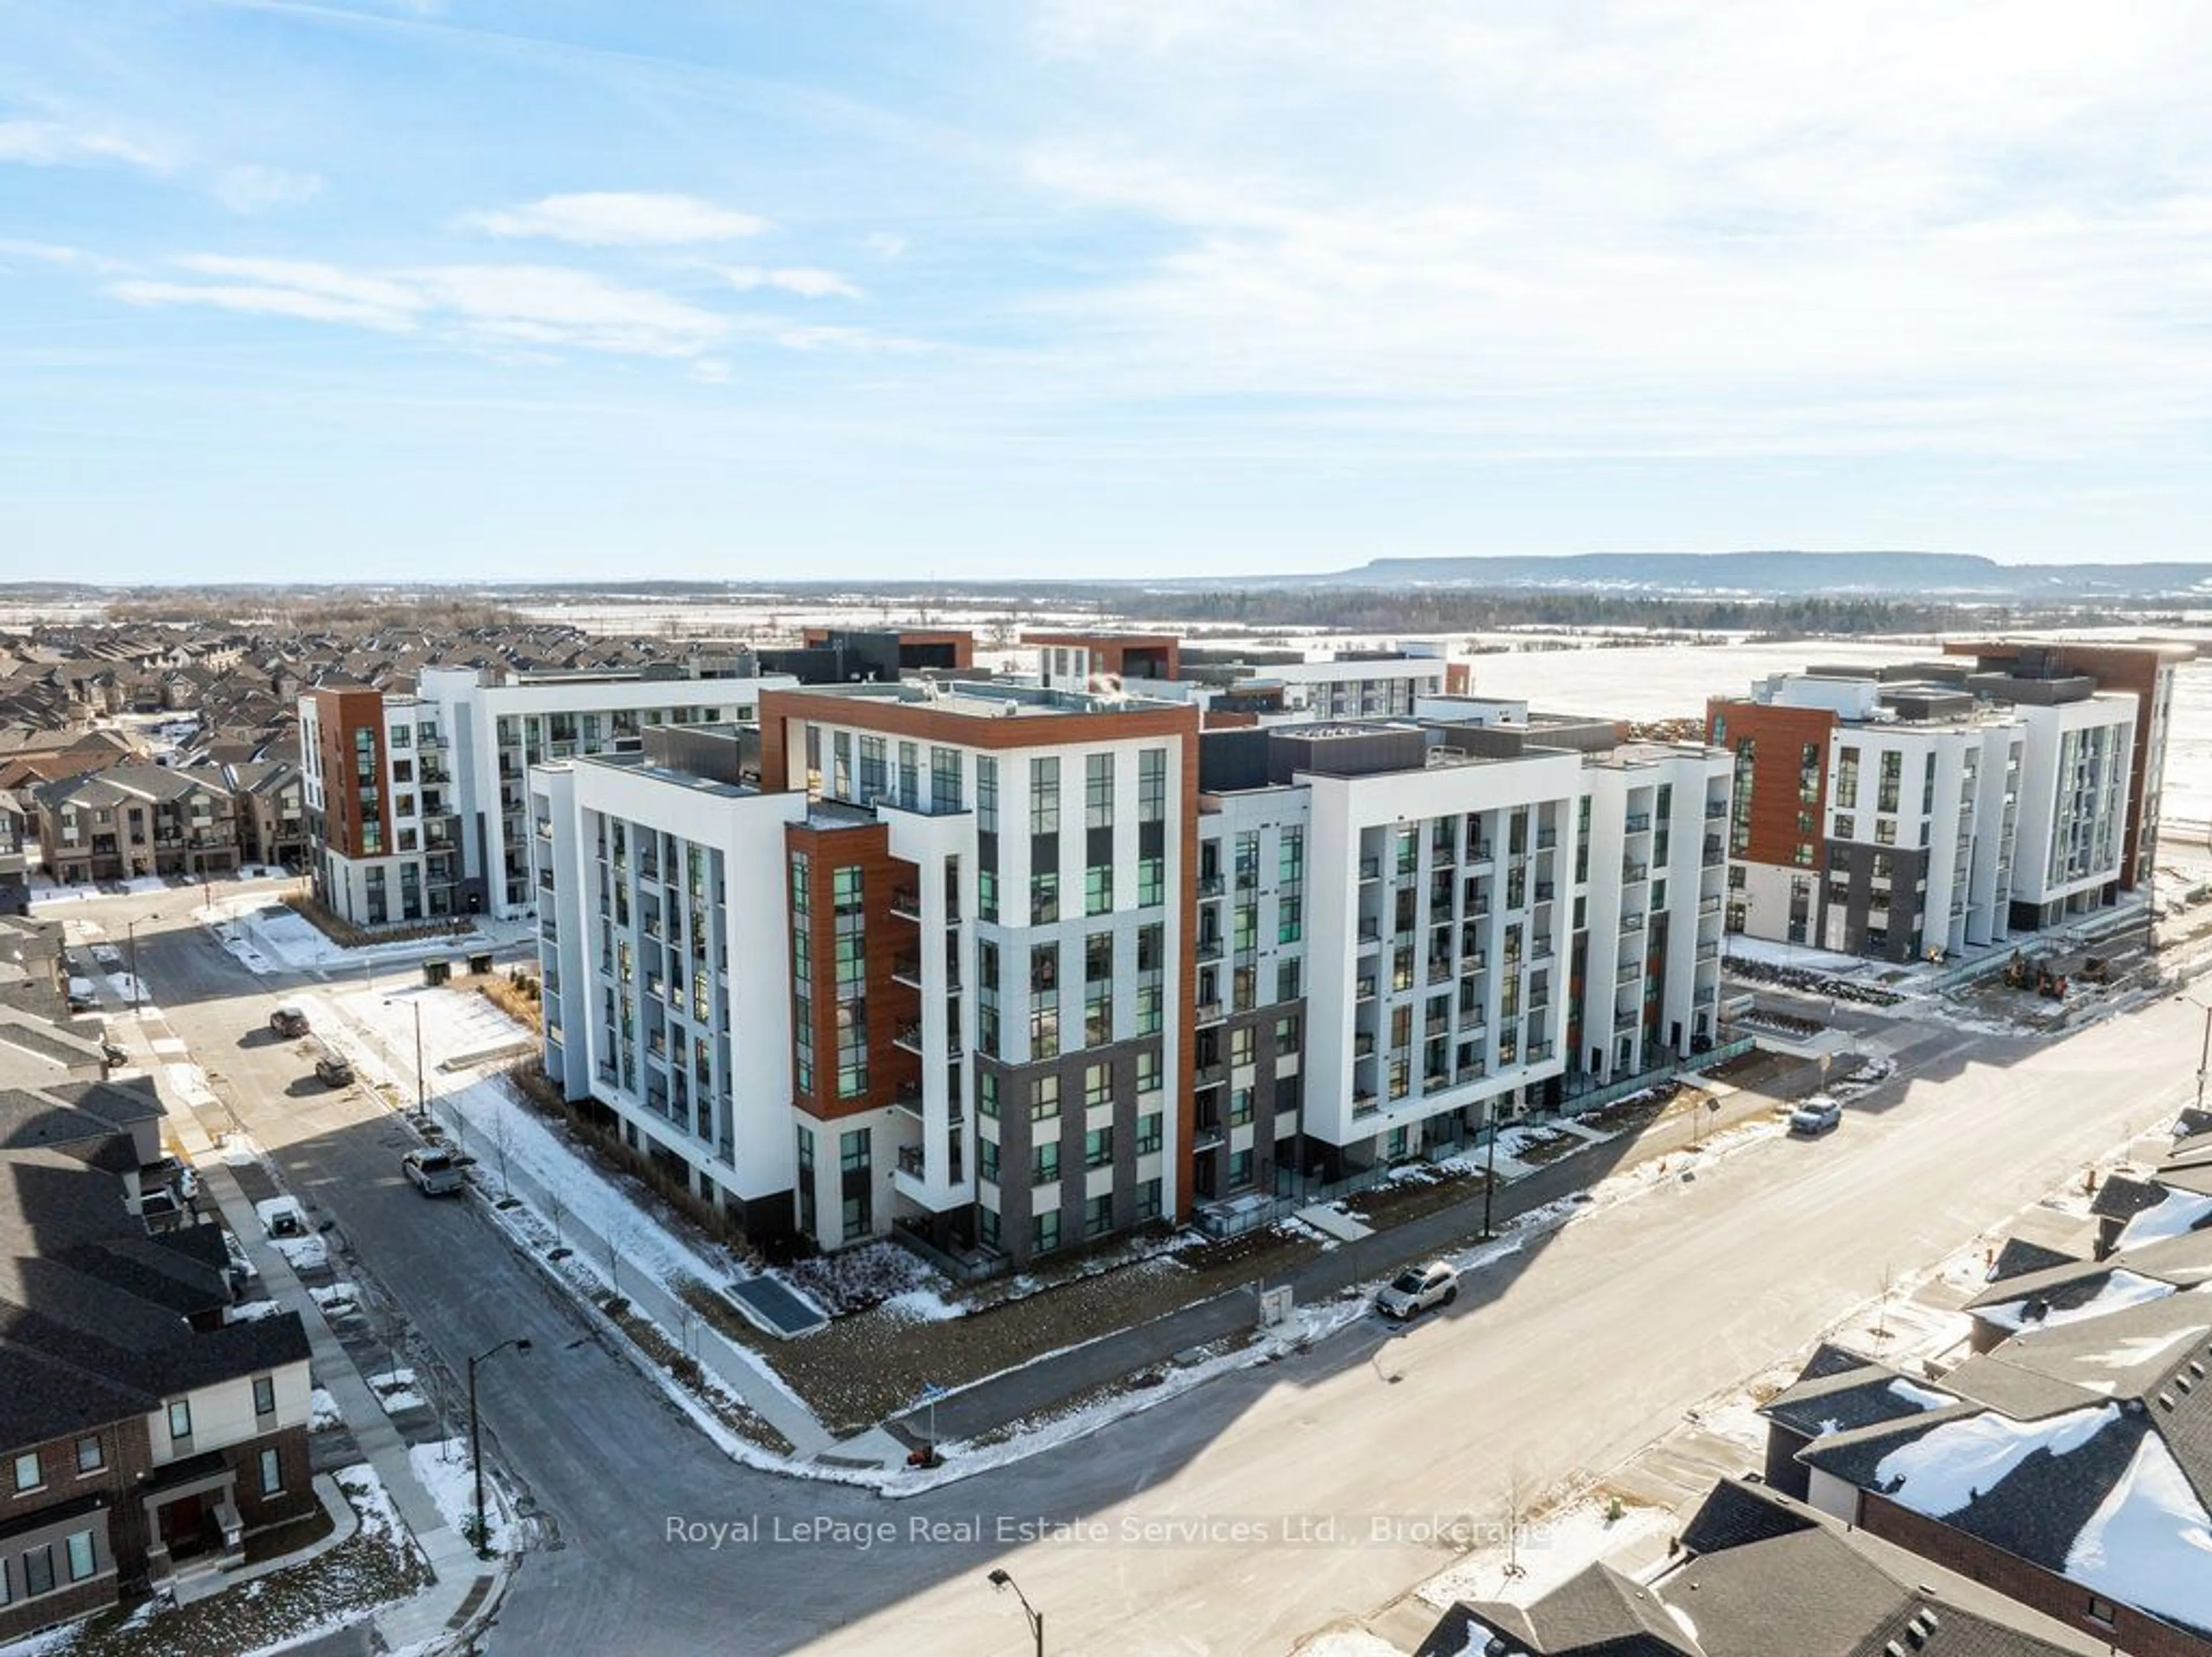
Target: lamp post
1490,1169
520,1343
999,1579
131,938
2203,1051
421,1085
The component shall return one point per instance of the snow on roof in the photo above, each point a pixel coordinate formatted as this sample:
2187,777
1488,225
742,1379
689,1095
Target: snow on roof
2181,1211
2150,1543
1947,1467
2121,1288
1926,1398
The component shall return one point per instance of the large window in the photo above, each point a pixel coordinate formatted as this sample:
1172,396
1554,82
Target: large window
180,1418
1044,1232
1098,790
1151,785
1098,888
28,1473
1044,795
987,793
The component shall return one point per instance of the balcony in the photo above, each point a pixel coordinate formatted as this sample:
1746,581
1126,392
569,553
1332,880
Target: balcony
906,904
1365,1105
1363,1044
1209,948
1540,950
1715,810
1473,963
911,1161
1370,933
1635,873
1547,839
1638,823
1709,951
1715,848
1210,1012
1545,891
1622,1021
1538,1053
1370,869
1482,852
1709,905
1210,886
1364,989
1628,973
1210,1073
909,1037
1632,922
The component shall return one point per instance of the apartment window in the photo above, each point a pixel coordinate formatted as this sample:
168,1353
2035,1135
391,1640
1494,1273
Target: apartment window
987,1225
944,779
1289,919
805,1181
39,1571
1044,795
1151,785
1044,1162
874,778
1240,1106
265,1395
2102,1611
1151,1000
1098,1148
180,1418
1148,1073
987,895
1892,769
1152,882
272,1472
1239,1170
1150,1130
1148,1199
1098,790
1885,830
1044,1232
1288,1035
1099,1215
1240,1046
28,1473
986,1094
1846,826
91,1455
987,1161
1044,899
1289,979
1927,786
1098,888
1044,1099
987,793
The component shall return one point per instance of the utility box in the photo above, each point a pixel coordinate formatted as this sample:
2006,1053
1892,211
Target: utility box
480,965
1274,1305
436,972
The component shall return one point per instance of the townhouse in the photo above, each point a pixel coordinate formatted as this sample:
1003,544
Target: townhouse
145,1434
415,800
133,822
1019,967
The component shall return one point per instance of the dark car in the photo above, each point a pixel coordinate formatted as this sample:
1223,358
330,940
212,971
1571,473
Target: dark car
289,1021
333,1071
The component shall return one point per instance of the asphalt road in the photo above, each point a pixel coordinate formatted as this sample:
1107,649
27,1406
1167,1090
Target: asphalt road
1566,1358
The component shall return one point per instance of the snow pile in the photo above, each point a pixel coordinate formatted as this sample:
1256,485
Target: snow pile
2121,1289
2150,1543
1948,1467
446,1473
338,1300
2181,1212
922,1305
1347,1642
301,1248
247,1312
323,1411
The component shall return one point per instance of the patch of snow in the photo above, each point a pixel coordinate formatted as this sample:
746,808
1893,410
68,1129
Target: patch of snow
129,991
2181,1211
1925,1397
2149,1545
1546,1551
253,1311
323,1411
366,1491
2122,1289
1944,1469
1347,1642
395,1390
337,1300
923,1305
446,1473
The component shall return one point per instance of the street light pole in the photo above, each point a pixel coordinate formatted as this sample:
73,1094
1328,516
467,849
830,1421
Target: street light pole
520,1343
2203,1053
130,937
999,1579
421,1084
1490,1170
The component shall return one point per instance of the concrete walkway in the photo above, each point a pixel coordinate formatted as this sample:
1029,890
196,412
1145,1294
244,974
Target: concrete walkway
463,1586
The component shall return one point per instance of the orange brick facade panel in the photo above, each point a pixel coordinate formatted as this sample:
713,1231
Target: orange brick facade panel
338,715
885,938
1781,820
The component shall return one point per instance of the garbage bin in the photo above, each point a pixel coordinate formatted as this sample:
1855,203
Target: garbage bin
480,965
436,972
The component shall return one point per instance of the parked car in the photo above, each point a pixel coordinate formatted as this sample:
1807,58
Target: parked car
288,1021
433,1172
1816,1117
107,955
80,996
333,1071
1417,1288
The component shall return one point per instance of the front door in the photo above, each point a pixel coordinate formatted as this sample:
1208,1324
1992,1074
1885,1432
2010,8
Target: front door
183,1527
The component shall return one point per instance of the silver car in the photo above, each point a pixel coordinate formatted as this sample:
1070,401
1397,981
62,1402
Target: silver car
1417,1288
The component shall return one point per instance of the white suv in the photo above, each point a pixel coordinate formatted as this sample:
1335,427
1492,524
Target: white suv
1417,1288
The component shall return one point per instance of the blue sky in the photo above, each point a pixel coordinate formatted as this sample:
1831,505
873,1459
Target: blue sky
454,289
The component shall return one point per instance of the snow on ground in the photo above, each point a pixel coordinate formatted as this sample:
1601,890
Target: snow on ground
1348,1642
395,1390
323,1411
304,1251
1945,1467
340,1300
2181,1211
1521,1563
446,1473
2150,1543
190,1084
2121,1289
366,1491
247,1312
923,1305
127,989
1741,946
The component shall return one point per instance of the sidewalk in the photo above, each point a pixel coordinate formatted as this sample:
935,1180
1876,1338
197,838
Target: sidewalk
463,1586
998,1400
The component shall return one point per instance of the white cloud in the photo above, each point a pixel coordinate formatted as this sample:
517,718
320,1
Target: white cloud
47,253
53,143
264,302
1710,224
616,219
806,283
255,189
886,245
479,306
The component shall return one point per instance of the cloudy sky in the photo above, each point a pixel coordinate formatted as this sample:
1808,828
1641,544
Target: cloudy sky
751,288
